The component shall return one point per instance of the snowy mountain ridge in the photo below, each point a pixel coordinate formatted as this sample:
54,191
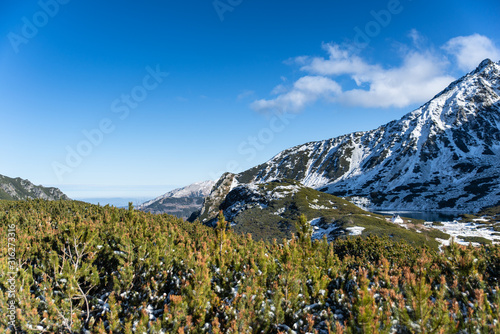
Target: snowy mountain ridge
180,202
197,189
442,156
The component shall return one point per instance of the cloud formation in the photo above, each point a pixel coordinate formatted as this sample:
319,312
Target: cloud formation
469,51
421,74
306,90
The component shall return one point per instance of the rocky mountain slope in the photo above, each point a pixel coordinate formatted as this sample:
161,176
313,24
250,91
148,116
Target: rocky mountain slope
180,202
271,210
443,156
19,189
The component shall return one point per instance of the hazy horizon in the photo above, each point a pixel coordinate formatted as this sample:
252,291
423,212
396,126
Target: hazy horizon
111,194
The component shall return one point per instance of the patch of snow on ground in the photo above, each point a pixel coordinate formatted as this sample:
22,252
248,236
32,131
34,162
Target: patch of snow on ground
315,222
318,207
282,192
319,232
279,212
458,229
356,230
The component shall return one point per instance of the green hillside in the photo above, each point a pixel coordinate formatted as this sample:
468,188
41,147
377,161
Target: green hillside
270,211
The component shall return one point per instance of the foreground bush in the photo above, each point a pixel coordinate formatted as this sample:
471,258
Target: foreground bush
86,268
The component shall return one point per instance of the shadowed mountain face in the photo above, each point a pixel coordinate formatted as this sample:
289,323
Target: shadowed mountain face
19,189
443,156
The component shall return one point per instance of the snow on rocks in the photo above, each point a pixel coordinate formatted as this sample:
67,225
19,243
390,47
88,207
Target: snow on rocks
355,230
319,207
320,231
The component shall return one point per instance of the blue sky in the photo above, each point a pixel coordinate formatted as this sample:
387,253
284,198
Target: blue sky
129,98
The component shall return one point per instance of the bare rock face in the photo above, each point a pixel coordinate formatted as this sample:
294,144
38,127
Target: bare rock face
212,202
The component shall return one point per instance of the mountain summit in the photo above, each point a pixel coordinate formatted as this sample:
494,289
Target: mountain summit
444,155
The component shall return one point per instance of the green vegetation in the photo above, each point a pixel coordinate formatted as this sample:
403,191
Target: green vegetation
479,240
271,221
493,211
107,270
384,228
490,215
468,217
433,233
267,221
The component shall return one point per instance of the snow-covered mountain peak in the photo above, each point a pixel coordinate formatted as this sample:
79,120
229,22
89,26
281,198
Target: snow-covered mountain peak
486,66
441,156
477,90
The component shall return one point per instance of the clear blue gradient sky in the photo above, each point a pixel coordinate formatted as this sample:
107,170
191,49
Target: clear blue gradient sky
128,98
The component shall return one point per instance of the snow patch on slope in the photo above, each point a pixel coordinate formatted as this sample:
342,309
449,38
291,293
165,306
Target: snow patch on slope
457,230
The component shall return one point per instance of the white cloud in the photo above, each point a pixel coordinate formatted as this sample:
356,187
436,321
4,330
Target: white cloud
471,50
416,80
341,61
417,39
306,90
317,85
280,89
422,73
420,76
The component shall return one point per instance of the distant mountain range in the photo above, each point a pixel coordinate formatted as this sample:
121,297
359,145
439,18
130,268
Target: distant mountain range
180,202
20,189
444,156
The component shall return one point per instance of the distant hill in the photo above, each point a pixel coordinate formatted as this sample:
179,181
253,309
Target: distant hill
181,202
20,189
